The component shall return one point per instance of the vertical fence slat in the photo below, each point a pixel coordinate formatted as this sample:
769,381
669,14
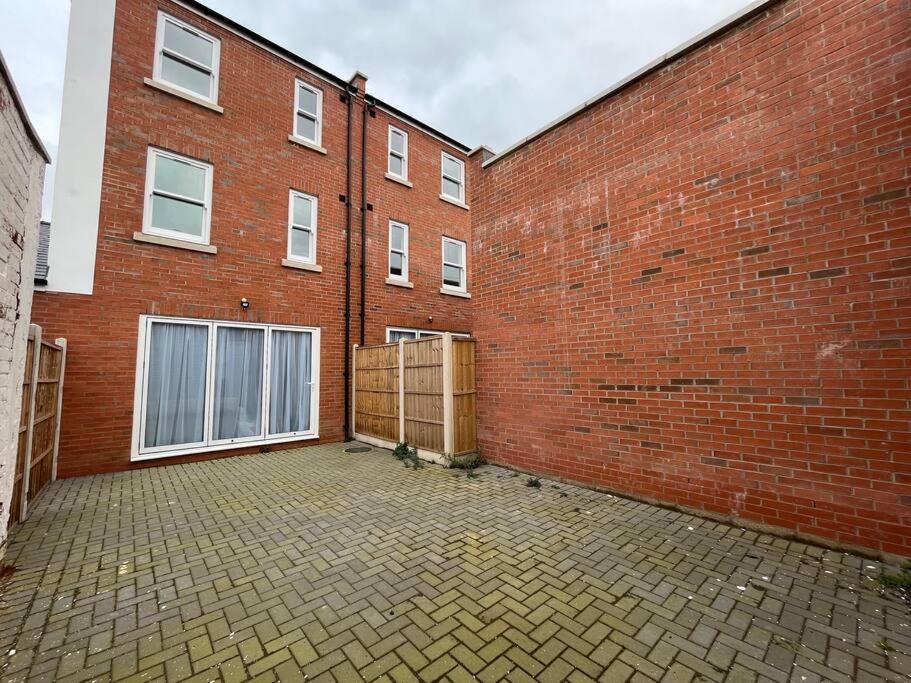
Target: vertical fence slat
27,464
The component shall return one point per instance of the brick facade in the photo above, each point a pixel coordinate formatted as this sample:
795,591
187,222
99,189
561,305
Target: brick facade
254,167
697,290
22,163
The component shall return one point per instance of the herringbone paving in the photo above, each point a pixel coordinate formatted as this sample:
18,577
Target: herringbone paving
317,565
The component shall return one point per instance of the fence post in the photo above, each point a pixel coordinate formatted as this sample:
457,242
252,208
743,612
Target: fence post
401,390
58,417
447,394
353,394
34,331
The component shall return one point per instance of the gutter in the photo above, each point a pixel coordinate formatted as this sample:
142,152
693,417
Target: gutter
685,48
368,110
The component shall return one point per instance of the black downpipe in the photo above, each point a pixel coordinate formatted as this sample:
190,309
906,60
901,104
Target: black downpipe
364,221
347,349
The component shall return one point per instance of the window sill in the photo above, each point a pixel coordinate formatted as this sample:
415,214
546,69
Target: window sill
300,265
455,292
177,244
454,202
396,179
171,90
399,283
306,143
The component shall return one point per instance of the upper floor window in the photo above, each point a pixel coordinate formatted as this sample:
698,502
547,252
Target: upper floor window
398,250
186,58
308,112
302,227
178,197
453,178
398,153
454,265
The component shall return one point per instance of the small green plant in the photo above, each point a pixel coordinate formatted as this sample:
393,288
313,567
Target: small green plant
901,580
533,483
468,461
472,475
408,455
885,646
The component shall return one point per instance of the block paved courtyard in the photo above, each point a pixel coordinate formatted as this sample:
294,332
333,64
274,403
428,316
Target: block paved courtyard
313,564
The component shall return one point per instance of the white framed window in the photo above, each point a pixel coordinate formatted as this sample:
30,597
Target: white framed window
452,172
398,251
178,197
393,334
308,112
398,153
302,210
186,58
206,385
454,265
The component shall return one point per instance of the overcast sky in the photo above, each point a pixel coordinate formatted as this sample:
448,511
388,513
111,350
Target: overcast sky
483,71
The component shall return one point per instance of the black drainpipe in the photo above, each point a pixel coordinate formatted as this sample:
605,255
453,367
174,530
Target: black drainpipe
368,105
347,349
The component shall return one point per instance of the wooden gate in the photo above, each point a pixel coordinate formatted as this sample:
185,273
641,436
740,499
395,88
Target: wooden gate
421,391
39,424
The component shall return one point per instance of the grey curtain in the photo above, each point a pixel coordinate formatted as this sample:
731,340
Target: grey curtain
176,389
237,404
289,382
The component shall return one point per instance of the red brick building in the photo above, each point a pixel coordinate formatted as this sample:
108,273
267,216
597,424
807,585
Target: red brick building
693,288
225,201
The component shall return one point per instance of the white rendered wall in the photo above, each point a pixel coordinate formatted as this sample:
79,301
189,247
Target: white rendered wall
80,155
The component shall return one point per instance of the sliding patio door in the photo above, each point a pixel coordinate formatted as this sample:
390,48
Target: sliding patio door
175,413
204,385
237,410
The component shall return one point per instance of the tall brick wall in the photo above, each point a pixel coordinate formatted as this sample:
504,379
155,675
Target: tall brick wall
254,166
21,183
699,290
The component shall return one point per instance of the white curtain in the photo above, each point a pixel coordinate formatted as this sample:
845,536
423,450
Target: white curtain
289,382
237,404
176,389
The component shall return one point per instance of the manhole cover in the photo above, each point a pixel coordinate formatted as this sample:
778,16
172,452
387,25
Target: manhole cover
358,449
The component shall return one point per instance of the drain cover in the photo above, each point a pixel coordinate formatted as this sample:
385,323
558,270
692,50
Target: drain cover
358,449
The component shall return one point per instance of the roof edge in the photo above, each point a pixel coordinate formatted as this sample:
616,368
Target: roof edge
23,112
684,48
338,81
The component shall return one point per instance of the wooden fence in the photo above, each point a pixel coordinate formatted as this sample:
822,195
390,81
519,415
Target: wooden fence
421,391
39,423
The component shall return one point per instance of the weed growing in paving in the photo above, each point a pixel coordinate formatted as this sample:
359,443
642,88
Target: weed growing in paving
533,483
899,583
408,455
465,462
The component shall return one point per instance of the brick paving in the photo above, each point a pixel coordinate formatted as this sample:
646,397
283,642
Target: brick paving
318,565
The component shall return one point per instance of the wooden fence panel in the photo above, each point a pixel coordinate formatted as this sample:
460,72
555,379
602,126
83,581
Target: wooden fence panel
376,392
39,422
24,421
423,380
421,391
44,422
465,437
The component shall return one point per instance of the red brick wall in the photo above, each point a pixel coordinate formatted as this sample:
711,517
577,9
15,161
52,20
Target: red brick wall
429,218
699,290
254,167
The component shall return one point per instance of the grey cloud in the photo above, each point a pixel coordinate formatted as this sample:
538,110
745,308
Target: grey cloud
482,71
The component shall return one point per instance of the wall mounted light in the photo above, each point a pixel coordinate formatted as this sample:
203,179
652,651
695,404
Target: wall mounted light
244,303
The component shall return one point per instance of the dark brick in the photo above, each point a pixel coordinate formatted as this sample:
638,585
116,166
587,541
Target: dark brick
673,252
885,196
773,272
716,462
732,349
828,272
651,271
801,400
802,199
753,251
